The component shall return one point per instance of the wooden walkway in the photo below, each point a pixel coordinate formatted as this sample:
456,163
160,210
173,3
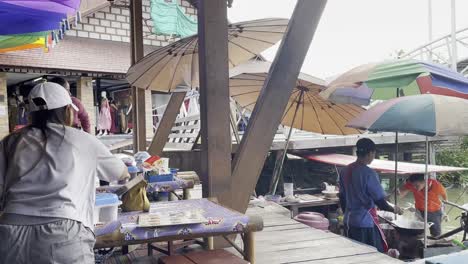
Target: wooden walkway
284,240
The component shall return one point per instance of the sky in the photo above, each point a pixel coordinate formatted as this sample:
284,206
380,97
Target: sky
354,32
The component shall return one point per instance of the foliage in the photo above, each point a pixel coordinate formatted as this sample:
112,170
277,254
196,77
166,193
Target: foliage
457,157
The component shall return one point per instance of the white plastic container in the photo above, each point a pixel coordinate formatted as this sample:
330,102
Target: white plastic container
106,207
288,189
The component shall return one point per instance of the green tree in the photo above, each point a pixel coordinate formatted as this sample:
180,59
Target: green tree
457,157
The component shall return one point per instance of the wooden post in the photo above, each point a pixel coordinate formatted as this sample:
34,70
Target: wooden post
273,100
138,95
85,92
249,247
4,121
167,122
214,100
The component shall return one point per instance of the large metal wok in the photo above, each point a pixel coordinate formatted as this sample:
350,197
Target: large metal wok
407,227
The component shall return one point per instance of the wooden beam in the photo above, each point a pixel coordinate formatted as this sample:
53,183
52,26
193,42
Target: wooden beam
214,100
166,123
4,122
273,99
138,95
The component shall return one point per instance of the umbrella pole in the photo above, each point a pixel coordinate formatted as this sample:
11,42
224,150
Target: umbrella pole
234,128
286,146
426,180
396,160
396,167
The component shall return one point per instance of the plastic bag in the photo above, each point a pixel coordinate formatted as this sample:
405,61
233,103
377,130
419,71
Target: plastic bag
135,199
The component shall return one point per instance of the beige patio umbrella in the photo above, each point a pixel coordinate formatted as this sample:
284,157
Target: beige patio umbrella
177,64
306,110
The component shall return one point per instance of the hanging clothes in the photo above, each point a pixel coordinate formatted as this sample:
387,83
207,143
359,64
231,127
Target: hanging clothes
170,19
113,113
129,115
22,116
123,120
105,119
118,121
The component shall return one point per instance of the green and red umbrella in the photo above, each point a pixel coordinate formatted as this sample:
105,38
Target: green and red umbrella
397,78
390,79
428,115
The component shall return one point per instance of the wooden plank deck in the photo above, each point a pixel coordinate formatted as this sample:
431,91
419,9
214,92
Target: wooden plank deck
284,240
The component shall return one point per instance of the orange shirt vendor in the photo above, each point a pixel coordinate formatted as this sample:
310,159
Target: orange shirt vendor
435,193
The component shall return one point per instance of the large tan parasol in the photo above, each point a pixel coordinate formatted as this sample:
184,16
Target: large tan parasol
177,64
306,110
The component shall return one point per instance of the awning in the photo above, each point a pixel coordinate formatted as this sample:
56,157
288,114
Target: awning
382,166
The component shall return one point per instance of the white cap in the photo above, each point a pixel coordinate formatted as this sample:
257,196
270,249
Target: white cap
54,96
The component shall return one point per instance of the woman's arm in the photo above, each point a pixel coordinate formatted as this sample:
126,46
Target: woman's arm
442,192
402,191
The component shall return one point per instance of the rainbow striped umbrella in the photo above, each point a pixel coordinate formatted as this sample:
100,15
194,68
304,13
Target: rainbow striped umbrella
23,20
382,81
428,115
34,23
57,6
12,41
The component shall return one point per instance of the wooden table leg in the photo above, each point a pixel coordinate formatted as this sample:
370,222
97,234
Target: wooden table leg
208,243
249,247
150,249
170,248
186,194
294,211
124,250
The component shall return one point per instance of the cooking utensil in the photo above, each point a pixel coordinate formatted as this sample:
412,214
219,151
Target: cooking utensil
414,228
330,194
456,205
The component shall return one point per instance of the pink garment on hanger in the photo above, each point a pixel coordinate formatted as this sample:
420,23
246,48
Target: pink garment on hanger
104,120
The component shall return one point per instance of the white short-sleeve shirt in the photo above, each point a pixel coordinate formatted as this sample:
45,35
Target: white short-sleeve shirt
58,180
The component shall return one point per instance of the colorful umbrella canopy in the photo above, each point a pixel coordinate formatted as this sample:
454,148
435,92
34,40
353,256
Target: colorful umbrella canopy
382,81
39,43
11,41
57,6
427,114
306,110
23,20
33,23
177,64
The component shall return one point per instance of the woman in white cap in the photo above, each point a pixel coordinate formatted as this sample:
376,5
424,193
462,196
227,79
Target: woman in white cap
47,184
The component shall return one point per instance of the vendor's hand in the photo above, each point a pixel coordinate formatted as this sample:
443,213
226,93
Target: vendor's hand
445,218
397,210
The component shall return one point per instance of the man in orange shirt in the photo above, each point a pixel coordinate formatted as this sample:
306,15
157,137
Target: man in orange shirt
436,191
